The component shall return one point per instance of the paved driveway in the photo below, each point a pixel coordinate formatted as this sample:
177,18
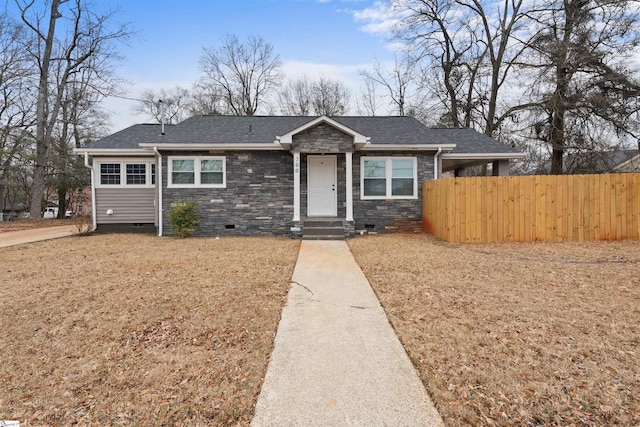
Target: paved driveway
11,238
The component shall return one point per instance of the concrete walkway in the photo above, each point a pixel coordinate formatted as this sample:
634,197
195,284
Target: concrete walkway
336,359
11,238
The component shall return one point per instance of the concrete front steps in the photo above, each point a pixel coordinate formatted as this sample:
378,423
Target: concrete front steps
323,229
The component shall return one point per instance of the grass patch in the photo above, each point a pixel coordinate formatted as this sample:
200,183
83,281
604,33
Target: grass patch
139,330
515,334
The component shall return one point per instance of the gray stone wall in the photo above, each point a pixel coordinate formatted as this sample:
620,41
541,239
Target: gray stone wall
383,216
322,138
258,198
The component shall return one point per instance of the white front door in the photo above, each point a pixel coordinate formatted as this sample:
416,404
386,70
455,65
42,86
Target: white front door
321,183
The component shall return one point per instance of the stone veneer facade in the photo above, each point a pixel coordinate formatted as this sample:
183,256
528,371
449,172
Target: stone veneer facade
258,198
390,215
257,201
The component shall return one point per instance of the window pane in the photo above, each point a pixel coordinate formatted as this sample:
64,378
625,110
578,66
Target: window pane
375,187
402,187
110,174
211,165
182,178
374,168
182,172
153,174
182,165
402,168
211,178
136,174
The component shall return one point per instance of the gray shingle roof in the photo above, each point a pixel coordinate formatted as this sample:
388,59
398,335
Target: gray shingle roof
265,129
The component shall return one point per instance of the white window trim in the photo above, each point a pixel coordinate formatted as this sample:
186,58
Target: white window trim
388,172
123,172
196,171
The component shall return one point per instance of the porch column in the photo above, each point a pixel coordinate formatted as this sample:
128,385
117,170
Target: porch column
296,186
501,168
348,156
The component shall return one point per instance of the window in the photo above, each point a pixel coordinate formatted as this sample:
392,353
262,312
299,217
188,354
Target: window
375,182
389,178
136,174
402,177
197,172
110,174
125,173
183,172
211,171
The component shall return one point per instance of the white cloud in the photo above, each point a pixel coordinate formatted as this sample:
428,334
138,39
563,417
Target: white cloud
380,18
298,69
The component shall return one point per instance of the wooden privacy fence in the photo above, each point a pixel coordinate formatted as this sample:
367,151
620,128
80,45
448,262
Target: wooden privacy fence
533,208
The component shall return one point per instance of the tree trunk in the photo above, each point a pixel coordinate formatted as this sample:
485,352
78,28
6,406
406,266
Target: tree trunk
557,136
42,142
557,155
2,192
62,202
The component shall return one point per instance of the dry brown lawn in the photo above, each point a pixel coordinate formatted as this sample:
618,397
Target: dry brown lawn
515,334
139,330
28,224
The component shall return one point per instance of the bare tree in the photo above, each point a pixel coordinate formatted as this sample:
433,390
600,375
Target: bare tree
396,82
450,56
168,105
295,97
87,36
367,104
207,99
585,94
470,49
244,72
80,122
16,100
330,97
324,96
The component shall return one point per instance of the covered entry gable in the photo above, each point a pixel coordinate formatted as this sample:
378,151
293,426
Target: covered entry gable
322,135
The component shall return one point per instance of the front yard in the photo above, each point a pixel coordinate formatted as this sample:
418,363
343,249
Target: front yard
139,330
515,334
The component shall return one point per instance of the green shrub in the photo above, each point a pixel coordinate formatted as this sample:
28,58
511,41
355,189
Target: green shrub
184,218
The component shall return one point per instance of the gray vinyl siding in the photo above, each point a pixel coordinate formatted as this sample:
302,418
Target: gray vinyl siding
129,205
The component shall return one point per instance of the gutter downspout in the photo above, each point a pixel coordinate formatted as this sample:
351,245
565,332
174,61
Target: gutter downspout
435,163
93,192
159,185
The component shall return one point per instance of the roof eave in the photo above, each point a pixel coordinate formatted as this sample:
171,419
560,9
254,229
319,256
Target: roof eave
480,156
111,151
407,147
632,159
259,146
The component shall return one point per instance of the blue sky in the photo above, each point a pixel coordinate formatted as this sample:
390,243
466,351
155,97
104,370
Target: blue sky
312,37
